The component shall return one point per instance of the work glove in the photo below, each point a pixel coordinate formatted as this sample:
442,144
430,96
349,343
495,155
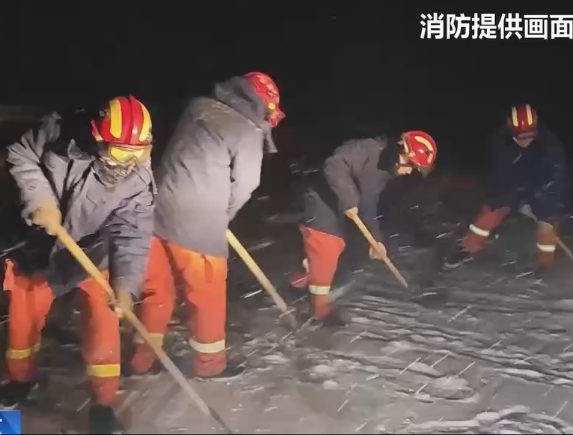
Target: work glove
124,302
375,254
47,216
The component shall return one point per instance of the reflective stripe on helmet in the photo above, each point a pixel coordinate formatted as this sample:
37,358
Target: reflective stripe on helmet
126,121
115,118
145,131
421,147
529,117
429,146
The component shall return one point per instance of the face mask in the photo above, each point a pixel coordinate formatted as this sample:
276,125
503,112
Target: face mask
111,173
115,162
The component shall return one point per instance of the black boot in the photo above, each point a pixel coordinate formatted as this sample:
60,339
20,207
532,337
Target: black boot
14,394
155,370
64,337
102,420
334,319
232,371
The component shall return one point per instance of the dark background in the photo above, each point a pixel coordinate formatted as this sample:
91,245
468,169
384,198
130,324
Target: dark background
342,71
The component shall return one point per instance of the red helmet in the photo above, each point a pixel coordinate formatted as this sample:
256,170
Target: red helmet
267,89
123,121
421,148
522,122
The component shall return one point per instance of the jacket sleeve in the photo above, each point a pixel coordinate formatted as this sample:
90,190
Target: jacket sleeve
338,172
246,164
25,156
371,185
129,229
353,185
498,161
554,173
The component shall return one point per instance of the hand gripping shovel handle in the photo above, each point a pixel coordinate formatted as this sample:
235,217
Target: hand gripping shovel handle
94,272
526,211
261,277
368,235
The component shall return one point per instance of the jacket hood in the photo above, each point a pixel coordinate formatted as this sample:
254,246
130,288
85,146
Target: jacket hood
238,94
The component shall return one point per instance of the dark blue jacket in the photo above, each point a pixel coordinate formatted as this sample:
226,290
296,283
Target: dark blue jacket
535,174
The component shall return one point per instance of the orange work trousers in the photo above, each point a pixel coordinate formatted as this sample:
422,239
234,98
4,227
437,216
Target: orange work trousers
322,252
488,219
203,278
30,301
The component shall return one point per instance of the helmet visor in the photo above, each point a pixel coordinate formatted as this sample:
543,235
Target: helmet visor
124,154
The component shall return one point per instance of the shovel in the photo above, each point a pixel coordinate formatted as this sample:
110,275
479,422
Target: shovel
368,235
94,272
261,277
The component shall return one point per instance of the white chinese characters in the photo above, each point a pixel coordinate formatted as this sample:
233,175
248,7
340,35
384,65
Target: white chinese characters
495,26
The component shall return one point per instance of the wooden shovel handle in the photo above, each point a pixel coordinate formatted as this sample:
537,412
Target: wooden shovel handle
94,272
375,245
256,270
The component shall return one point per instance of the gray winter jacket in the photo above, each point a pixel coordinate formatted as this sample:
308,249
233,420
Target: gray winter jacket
114,228
211,166
353,176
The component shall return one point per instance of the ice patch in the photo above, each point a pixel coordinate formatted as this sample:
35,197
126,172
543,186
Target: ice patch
403,345
488,417
330,385
361,320
565,355
424,368
531,374
565,304
275,359
450,383
322,369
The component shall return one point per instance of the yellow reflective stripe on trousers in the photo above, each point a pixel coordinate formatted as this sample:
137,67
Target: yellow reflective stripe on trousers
546,248
479,231
319,289
217,346
22,353
103,370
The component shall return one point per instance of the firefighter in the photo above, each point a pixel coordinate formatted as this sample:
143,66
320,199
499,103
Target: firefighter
207,173
96,181
350,182
528,168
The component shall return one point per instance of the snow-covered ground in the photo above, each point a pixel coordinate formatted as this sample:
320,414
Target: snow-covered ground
485,348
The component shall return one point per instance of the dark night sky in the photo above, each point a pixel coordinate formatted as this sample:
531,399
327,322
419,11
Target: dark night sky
337,67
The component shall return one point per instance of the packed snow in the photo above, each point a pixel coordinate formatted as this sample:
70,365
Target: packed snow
483,348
